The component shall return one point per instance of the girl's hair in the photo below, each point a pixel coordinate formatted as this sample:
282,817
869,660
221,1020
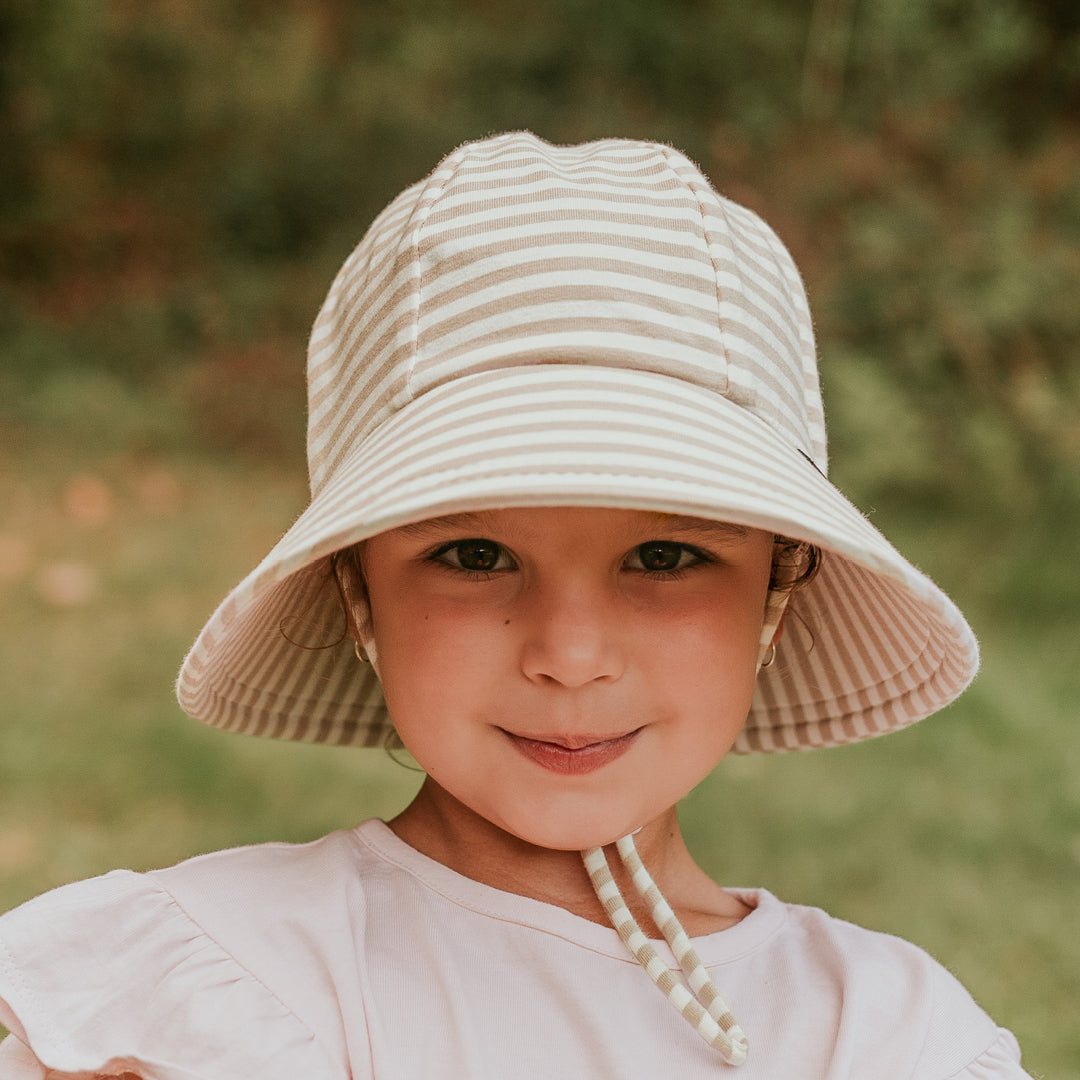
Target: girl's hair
795,563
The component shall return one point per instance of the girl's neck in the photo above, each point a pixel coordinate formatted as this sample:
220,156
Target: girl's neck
439,826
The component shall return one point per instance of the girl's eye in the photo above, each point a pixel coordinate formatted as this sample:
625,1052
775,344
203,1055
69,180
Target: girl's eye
663,557
474,556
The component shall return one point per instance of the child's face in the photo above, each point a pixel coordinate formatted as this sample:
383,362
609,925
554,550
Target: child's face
568,673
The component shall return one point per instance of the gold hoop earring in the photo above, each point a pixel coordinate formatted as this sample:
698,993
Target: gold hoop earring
768,661
360,654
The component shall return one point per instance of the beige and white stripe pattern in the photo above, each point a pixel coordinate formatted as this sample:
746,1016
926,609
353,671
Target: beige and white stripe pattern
513,252
699,1002
587,325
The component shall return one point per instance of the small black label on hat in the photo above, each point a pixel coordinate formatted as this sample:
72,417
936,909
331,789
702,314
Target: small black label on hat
812,462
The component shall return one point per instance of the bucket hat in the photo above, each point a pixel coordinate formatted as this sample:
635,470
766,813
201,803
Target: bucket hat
574,325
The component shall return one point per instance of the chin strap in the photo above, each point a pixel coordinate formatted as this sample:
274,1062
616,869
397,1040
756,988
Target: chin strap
701,1006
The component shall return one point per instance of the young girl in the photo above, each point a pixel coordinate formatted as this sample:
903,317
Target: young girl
570,542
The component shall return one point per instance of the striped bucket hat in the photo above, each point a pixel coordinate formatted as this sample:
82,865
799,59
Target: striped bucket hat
574,325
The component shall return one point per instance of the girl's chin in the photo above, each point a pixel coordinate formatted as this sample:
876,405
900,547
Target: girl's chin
573,837
536,819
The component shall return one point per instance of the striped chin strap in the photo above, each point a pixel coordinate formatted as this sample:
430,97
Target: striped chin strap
701,1005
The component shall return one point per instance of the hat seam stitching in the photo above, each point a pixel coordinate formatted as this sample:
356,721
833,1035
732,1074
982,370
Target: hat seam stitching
668,153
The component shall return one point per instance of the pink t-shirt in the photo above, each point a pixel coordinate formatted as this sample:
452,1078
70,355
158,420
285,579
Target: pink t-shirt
355,957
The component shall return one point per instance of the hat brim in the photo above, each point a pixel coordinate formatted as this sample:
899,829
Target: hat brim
874,644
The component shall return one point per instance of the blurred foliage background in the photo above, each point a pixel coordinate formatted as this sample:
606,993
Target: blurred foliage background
179,181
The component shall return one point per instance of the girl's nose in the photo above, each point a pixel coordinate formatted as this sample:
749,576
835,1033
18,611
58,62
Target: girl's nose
572,639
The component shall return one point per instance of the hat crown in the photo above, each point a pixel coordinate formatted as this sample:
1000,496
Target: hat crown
615,253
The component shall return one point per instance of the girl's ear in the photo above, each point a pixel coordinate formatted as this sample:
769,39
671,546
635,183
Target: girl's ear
353,593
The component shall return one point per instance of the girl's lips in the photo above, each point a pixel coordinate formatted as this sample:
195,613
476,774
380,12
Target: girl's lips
572,755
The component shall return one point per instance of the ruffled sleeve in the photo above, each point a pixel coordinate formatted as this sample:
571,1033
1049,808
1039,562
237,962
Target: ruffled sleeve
962,1042
1000,1061
110,975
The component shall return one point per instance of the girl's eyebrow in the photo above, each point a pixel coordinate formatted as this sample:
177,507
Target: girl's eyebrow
468,520
704,528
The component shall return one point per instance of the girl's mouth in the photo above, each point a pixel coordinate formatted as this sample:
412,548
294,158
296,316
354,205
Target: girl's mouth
572,755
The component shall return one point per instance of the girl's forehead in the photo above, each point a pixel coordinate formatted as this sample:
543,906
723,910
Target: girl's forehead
538,520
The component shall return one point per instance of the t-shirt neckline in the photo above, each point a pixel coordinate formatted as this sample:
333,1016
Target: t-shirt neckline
764,921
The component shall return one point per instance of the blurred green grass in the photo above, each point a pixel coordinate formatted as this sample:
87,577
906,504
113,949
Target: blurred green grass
109,562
